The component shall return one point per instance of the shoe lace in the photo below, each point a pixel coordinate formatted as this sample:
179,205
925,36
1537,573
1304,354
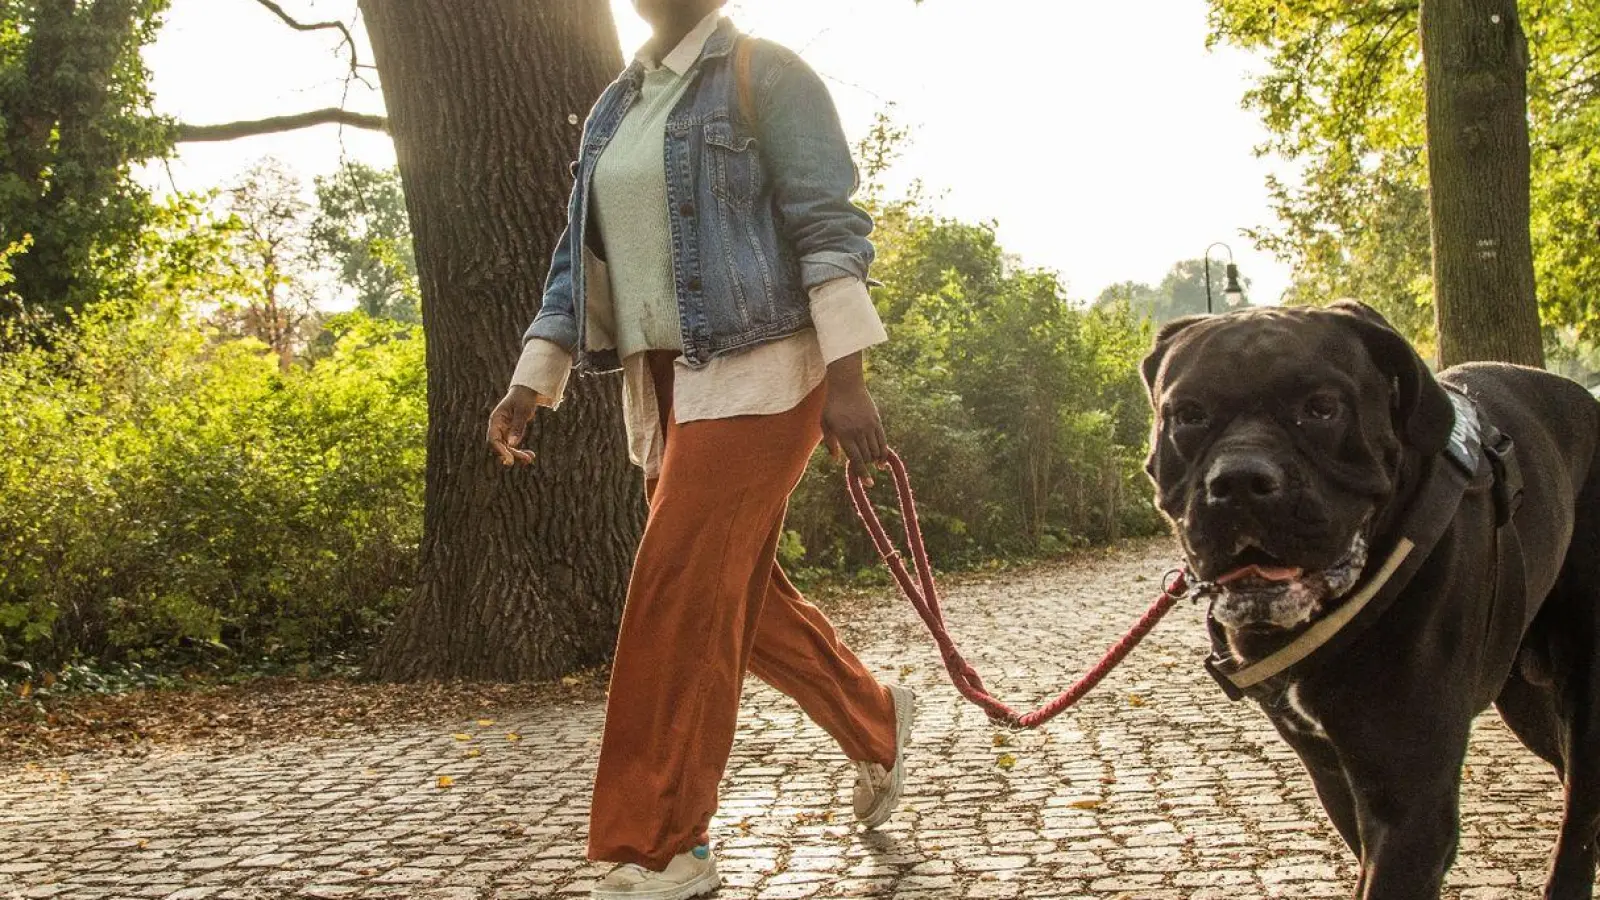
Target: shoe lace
872,774
631,871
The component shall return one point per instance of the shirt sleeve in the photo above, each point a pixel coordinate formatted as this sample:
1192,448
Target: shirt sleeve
845,319
543,368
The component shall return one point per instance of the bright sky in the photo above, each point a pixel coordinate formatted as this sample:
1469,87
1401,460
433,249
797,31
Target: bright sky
1104,138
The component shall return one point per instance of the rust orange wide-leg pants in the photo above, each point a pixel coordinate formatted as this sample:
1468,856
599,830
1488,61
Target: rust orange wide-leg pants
708,601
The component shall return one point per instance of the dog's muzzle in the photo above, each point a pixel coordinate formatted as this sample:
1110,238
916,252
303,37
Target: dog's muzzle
1256,601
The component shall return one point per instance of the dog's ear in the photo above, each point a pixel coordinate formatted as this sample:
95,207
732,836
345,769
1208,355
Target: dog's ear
1151,367
1424,414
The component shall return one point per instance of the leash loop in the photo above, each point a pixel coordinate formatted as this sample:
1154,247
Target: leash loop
923,593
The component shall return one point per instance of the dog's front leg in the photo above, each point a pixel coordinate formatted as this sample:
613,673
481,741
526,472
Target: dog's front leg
1408,813
1327,776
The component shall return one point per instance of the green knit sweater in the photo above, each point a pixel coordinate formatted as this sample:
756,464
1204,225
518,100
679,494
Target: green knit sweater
630,204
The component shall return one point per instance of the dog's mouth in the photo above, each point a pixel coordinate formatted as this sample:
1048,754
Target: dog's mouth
1258,590
1256,569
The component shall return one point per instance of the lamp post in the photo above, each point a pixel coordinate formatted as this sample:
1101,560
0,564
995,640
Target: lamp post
1232,293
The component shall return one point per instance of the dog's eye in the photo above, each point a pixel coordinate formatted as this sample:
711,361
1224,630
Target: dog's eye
1189,415
1320,408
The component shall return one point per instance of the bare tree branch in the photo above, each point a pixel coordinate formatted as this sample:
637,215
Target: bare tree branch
229,131
297,25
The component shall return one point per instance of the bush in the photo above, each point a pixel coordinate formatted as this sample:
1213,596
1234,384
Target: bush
167,496
172,497
1021,418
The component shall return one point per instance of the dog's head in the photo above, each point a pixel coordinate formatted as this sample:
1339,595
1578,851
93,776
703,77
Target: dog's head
1279,438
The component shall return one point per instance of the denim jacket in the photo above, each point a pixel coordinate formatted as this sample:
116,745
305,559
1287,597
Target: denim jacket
758,205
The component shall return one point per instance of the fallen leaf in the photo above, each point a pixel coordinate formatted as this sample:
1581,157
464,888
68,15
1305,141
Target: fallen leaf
485,723
1006,761
1001,739
1135,700
474,752
228,716
907,670
513,736
446,781
463,737
1086,804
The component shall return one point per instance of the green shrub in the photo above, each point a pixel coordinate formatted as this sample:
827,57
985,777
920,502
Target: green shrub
1020,417
166,495
172,498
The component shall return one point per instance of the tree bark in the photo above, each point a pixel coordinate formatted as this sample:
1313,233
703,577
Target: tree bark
1475,58
523,572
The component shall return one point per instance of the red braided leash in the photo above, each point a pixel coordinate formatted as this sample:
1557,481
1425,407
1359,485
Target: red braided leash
924,595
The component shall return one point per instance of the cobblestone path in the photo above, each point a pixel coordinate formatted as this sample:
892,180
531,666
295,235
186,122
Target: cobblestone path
1154,787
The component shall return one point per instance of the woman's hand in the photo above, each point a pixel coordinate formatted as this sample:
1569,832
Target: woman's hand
850,424
509,422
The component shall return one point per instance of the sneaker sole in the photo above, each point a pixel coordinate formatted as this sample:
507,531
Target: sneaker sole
905,712
701,886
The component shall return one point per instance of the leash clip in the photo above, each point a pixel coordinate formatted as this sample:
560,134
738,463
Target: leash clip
1180,584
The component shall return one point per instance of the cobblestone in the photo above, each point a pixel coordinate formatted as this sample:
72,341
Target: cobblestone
1155,786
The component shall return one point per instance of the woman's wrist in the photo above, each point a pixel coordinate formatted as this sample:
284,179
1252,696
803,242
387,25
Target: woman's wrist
847,372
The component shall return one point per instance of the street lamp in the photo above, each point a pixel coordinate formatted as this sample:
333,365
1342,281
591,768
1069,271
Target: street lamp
1232,293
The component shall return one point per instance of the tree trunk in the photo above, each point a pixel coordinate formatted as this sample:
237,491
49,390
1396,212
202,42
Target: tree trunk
1475,58
523,572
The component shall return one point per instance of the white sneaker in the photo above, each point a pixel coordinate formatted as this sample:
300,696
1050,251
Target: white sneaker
878,791
688,875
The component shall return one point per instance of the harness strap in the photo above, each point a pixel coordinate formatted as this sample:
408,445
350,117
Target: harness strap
1508,618
1236,682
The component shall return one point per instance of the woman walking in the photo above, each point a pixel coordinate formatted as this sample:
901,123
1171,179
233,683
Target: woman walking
713,253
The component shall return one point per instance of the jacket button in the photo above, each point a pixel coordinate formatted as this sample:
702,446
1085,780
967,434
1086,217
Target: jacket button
693,284
686,210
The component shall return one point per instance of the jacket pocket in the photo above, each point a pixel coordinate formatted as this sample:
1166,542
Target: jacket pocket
600,315
734,162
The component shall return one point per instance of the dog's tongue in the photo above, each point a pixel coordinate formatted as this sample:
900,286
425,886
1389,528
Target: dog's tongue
1267,573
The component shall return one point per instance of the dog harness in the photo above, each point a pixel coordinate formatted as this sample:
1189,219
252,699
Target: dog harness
1478,456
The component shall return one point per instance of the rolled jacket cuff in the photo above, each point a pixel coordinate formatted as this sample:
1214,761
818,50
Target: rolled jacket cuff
558,328
543,368
817,269
845,319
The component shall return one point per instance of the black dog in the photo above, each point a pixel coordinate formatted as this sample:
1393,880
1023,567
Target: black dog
1349,508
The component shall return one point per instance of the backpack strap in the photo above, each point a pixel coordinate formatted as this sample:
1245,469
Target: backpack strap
742,83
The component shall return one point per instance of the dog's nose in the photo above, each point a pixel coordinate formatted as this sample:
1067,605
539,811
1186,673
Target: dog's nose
1244,479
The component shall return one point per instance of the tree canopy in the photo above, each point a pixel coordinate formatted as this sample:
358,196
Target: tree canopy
1342,97
362,228
75,117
